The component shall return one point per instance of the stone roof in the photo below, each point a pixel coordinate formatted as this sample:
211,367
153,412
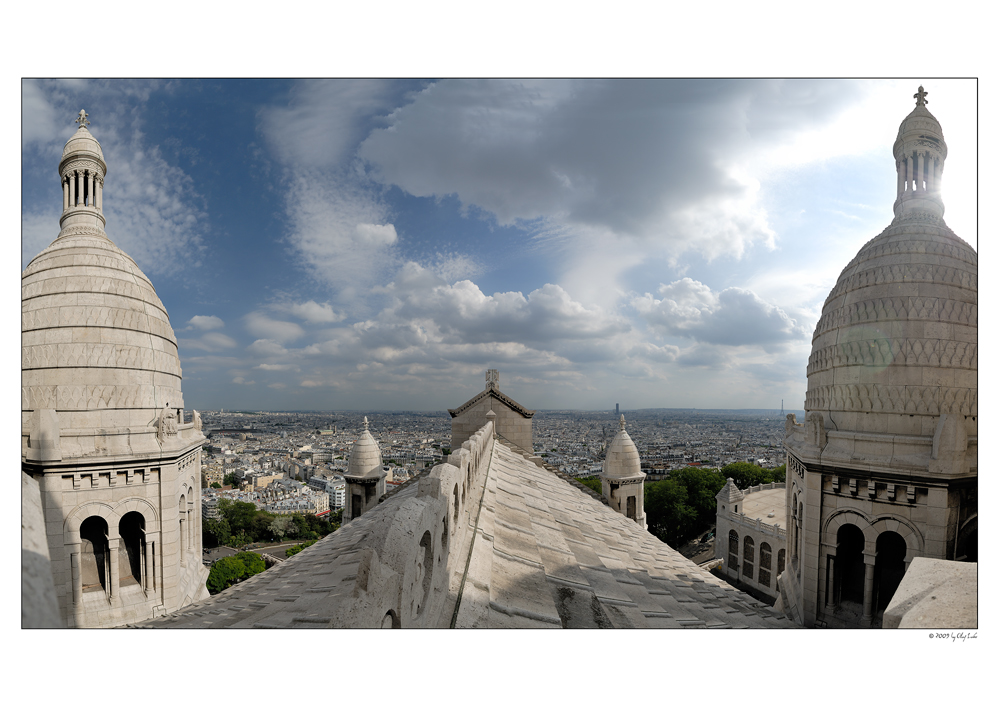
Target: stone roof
622,459
366,457
496,395
539,553
729,493
83,143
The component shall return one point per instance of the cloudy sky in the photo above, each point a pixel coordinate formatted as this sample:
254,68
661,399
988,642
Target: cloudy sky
375,244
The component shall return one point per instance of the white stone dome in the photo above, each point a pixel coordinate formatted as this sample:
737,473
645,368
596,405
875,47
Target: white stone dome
622,459
96,346
366,457
897,343
83,144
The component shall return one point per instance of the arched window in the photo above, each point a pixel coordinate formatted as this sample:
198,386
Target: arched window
849,566
630,507
391,620
890,565
734,549
764,571
781,561
94,554
131,528
426,568
748,557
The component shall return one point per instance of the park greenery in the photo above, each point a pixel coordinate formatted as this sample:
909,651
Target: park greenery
683,506
298,548
228,571
230,480
240,523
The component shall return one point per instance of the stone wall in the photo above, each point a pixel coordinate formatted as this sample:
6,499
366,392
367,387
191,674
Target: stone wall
511,426
401,564
761,534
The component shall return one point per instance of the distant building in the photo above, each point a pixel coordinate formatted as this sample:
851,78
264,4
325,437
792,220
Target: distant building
750,535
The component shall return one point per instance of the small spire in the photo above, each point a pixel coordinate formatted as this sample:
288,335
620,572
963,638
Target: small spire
920,95
82,119
366,422
621,423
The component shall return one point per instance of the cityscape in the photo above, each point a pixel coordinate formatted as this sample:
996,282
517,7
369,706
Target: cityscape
582,242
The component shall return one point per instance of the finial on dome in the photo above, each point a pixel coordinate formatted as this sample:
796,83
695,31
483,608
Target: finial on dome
82,119
920,95
621,423
366,422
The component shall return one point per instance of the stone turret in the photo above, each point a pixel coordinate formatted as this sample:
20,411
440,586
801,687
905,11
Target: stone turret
365,477
622,478
729,498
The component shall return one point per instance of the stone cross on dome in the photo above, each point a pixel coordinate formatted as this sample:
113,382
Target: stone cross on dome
82,119
920,96
366,422
621,423
493,379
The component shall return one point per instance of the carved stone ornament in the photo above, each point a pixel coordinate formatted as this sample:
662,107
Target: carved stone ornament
166,426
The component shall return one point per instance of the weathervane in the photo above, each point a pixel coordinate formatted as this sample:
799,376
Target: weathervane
82,120
919,95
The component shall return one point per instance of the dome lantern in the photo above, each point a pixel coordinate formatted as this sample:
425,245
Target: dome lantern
920,152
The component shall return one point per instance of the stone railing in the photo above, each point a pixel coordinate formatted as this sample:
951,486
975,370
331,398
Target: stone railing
765,487
756,524
401,564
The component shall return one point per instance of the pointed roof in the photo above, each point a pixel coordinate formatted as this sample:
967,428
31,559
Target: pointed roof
496,395
622,459
729,493
366,457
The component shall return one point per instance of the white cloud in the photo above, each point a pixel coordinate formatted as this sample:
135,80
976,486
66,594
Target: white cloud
239,380
205,323
209,341
733,317
278,367
314,313
267,348
263,326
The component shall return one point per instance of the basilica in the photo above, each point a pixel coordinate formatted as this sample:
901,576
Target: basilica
880,498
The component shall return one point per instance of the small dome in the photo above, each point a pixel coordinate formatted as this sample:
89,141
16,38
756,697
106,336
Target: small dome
366,457
920,130
83,144
622,460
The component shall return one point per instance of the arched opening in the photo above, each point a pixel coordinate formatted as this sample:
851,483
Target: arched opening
748,548
734,550
764,571
455,503
94,552
849,566
444,536
426,568
131,528
391,620
630,507
182,526
890,565
781,561
967,547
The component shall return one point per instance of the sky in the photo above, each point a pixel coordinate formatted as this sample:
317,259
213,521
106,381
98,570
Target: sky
378,244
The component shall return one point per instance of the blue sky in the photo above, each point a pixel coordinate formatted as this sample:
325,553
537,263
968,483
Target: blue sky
374,244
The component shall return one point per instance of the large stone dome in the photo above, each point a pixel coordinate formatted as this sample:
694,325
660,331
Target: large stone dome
897,344
96,343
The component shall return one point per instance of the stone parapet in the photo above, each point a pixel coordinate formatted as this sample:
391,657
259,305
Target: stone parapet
935,594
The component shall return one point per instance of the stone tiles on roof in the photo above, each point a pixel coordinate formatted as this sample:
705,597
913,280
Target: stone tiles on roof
548,556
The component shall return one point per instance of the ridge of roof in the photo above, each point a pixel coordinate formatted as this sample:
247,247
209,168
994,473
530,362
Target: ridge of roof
506,400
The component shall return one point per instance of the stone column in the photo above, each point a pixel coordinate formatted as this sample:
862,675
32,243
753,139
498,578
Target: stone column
920,172
930,173
74,566
79,188
113,574
72,189
90,188
180,539
831,559
147,575
869,586
65,186
909,172
100,193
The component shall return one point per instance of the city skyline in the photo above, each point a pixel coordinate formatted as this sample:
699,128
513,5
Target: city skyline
347,245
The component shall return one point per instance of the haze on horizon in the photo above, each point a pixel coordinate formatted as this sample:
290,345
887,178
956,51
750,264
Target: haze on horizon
377,245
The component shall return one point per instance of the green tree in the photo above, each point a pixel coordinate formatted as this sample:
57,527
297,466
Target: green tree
216,485
592,482
225,573
230,479
253,562
668,514
215,532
